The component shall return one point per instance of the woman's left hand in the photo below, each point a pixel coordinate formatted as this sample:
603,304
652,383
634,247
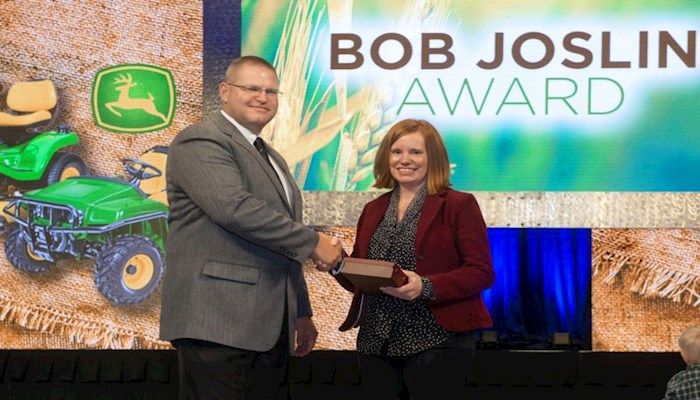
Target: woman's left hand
409,291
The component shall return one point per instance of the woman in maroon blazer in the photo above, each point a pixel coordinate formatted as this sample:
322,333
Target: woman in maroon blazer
418,337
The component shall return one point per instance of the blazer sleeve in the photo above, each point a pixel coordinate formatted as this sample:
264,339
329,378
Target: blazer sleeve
205,169
303,302
475,272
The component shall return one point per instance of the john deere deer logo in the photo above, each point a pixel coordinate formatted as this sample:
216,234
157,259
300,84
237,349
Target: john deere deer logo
133,98
122,85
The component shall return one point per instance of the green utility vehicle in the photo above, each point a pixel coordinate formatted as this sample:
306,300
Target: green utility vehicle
30,156
120,224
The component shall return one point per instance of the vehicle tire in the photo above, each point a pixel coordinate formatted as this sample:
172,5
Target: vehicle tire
63,166
20,255
129,269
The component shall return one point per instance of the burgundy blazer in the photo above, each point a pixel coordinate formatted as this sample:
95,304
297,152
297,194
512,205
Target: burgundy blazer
452,250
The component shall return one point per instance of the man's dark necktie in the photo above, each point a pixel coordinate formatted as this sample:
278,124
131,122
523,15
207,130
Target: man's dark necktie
260,146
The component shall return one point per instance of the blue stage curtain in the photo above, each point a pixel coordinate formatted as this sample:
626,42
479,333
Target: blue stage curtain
543,285
221,43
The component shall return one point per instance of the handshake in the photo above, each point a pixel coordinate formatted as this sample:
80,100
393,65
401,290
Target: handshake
328,252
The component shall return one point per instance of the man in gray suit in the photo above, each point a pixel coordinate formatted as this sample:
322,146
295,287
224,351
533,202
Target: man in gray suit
234,296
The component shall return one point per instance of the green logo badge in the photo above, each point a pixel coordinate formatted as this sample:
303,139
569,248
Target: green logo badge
133,98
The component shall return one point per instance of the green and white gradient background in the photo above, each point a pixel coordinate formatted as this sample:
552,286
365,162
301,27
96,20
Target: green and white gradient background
650,143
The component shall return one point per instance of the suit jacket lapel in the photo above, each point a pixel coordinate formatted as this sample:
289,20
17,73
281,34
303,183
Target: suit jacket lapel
227,127
431,206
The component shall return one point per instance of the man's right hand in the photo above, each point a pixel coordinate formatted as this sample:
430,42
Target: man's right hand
328,252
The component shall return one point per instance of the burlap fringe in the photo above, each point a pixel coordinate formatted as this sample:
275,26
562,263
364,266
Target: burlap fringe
84,333
649,279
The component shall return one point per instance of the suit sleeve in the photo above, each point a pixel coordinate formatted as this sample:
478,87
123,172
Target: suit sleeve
303,301
475,272
205,170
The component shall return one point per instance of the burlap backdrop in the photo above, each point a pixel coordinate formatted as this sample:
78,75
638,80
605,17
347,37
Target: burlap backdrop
646,287
68,42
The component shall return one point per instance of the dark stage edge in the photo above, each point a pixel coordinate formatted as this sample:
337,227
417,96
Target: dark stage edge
495,374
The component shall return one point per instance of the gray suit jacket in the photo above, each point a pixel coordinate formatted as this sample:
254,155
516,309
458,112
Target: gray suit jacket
235,247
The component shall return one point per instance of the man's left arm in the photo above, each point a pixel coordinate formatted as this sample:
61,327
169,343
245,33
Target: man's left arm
303,302
304,328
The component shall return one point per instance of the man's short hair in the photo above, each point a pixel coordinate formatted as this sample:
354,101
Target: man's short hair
247,60
689,342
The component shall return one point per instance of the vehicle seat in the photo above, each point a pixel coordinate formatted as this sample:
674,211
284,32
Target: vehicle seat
155,187
37,99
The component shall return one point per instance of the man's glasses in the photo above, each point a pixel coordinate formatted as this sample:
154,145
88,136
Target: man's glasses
252,89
